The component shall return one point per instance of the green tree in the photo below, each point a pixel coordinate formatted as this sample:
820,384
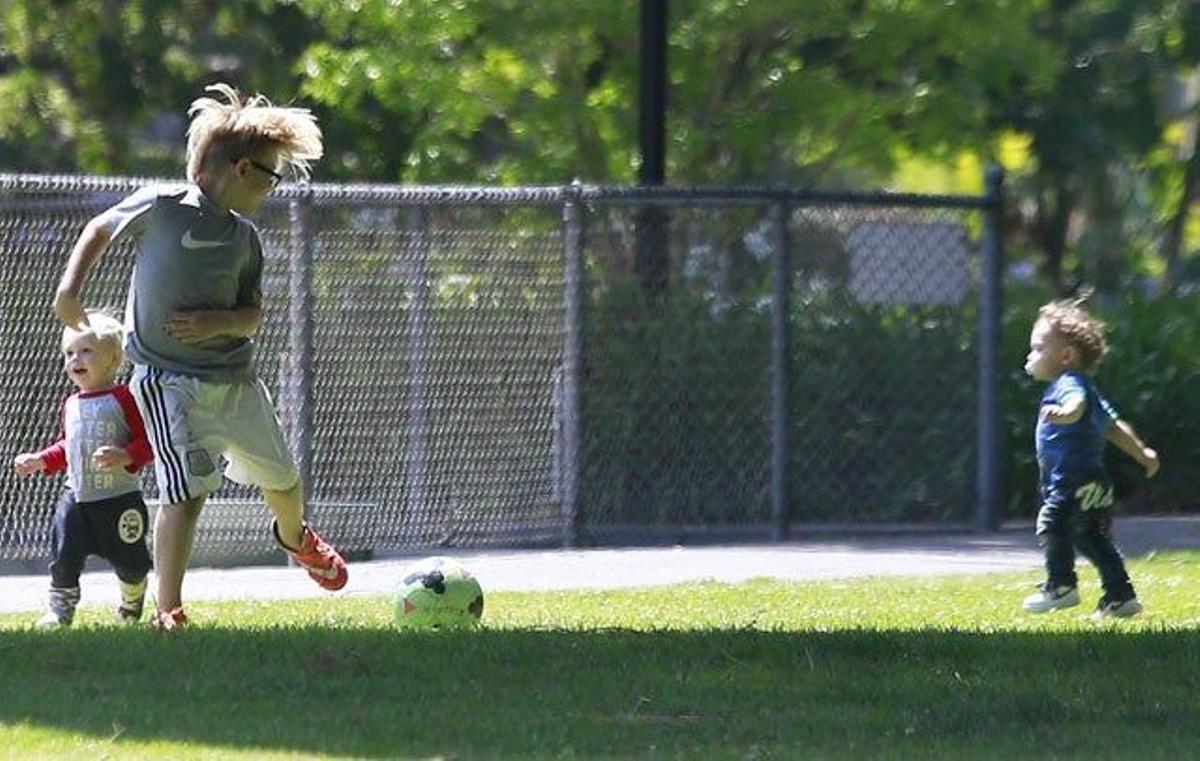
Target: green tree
470,91
101,85
1095,124
813,92
795,90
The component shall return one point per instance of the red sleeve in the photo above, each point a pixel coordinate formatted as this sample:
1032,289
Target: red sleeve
54,457
138,447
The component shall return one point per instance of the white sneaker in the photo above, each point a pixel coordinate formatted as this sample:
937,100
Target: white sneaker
50,620
60,608
1051,598
1109,608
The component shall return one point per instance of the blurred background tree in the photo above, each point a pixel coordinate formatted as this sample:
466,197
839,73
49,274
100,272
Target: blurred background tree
103,85
1090,104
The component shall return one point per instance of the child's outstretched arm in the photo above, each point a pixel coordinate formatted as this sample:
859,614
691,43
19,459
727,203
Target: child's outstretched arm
91,244
1126,439
50,460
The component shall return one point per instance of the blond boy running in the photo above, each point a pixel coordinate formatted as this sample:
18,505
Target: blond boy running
194,302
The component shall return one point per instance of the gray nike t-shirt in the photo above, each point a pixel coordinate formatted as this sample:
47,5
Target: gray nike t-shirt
191,255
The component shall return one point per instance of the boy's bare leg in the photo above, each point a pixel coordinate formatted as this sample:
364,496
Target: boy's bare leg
288,508
174,535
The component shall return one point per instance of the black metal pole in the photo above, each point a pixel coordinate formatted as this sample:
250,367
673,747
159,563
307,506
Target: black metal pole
650,259
781,354
991,444
652,89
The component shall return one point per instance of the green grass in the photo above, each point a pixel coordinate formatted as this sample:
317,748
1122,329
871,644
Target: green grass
876,668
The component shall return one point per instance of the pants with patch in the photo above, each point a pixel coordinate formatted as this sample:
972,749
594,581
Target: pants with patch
114,529
1082,522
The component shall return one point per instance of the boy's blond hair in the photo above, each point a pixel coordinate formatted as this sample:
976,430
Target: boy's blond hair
103,326
222,132
1067,318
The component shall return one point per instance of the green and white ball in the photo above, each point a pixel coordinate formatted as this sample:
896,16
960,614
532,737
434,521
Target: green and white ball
438,593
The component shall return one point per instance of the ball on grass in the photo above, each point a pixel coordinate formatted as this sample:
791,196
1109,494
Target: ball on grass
438,593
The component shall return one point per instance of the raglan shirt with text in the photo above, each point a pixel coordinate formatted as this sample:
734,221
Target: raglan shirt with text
91,420
1071,455
190,255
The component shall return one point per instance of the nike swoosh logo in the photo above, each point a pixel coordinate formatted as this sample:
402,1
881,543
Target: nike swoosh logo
187,241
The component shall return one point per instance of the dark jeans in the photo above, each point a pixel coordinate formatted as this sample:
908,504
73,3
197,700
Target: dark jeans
114,529
1063,528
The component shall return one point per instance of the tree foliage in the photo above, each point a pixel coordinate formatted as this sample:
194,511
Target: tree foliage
814,92
1094,127
781,91
101,85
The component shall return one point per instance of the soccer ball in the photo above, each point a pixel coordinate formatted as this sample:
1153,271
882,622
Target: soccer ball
438,593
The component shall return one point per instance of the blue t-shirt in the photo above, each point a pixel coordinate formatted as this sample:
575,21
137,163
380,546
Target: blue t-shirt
1072,455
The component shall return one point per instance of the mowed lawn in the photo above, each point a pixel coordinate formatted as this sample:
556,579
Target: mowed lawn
874,668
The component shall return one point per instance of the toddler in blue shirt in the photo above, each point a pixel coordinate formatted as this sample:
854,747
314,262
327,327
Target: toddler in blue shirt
1074,423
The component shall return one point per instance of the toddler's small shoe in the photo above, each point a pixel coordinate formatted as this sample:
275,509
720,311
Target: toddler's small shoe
1050,598
133,597
50,620
60,608
1110,607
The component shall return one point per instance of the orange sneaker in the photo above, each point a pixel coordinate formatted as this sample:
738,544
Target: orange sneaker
318,557
169,620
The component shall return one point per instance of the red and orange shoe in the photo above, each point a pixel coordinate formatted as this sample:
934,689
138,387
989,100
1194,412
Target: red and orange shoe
318,557
169,620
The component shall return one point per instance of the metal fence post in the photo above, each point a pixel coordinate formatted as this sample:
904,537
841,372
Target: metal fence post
300,338
416,456
778,215
991,447
573,278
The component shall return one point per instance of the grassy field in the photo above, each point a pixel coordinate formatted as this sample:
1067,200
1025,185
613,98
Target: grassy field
876,668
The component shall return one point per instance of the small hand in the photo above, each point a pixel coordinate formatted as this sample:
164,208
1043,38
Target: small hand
27,464
1056,414
1150,461
192,327
109,456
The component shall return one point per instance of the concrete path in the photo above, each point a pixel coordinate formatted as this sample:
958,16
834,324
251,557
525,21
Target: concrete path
1012,549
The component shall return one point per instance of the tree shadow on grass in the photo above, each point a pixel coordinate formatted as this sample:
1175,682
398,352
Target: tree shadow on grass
381,693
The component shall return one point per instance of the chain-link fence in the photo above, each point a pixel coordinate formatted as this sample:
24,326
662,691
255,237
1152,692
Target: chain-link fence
474,367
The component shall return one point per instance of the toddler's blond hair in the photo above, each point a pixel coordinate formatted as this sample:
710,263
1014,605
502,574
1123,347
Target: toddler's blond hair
105,328
1067,318
223,131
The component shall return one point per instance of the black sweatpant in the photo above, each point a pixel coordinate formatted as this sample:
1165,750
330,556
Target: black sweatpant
1063,527
114,529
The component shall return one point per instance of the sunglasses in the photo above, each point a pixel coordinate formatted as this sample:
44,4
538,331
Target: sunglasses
276,177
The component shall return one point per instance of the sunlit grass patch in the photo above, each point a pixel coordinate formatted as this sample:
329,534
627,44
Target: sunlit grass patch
901,667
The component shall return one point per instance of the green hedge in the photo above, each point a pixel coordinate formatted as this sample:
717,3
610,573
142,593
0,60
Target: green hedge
676,411
676,408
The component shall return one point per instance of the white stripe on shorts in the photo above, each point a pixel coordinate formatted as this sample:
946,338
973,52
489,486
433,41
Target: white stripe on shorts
150,389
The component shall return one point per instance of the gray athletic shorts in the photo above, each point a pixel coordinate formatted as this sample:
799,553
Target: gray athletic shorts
193,423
